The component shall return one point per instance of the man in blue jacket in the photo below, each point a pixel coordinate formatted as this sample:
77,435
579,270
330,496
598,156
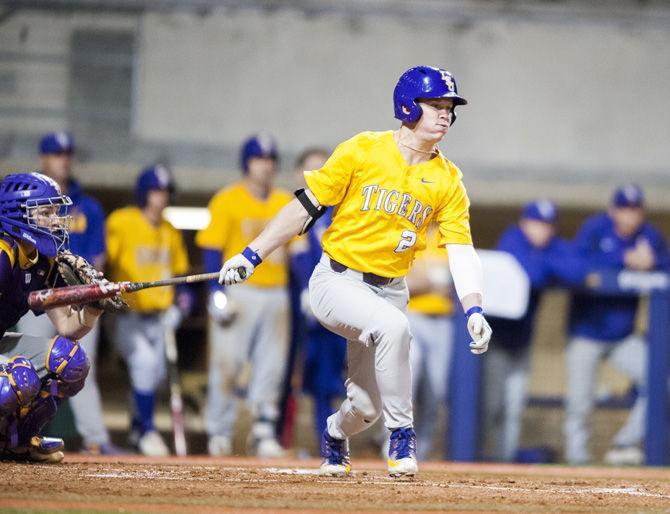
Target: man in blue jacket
602,327
87,240
544,257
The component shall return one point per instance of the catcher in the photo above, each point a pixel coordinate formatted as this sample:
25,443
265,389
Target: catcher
36,373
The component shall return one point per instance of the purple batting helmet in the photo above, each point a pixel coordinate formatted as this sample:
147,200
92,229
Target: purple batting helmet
261,145
423,82
153,177
21,194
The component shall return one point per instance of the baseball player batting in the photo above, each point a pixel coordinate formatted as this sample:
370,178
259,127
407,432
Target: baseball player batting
388,187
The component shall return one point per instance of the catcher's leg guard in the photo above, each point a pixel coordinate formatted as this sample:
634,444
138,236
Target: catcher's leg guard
27,444
66,360
41,411
21,441
19,385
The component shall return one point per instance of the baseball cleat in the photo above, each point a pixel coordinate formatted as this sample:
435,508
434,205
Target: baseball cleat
402,453
151,444
624,456
46,450
269,448
335,455
220,446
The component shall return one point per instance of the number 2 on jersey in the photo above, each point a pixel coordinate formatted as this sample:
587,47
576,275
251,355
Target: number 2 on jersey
407,240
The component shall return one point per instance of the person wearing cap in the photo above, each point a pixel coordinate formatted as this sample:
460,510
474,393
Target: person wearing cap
603,327
542,254
248,325
87,239
143,246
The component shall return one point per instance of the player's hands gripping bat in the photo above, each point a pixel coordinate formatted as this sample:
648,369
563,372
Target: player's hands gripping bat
76,271
239,267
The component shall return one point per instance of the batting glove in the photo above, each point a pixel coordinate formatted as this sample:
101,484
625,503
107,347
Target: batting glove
479,330
239,267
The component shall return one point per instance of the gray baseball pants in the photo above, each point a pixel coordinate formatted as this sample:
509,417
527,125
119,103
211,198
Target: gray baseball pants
86,405
430,357
373,321
505,374
256,342
583,356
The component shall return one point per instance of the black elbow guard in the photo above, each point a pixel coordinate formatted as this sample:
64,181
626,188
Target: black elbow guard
315,212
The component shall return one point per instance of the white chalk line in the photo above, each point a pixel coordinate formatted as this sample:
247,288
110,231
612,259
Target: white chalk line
184,475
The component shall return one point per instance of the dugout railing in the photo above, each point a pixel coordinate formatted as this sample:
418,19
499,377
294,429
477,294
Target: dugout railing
463,434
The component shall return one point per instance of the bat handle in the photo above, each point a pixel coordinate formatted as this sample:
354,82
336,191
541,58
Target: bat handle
242,272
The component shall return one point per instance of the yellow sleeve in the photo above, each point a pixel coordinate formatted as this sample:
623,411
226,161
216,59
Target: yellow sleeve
114,231
330,183
215,235
180,263
5,247
453,218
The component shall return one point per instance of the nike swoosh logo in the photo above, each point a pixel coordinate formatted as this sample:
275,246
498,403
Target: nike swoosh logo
426,181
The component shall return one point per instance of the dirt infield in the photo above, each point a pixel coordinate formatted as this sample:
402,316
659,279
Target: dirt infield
207,485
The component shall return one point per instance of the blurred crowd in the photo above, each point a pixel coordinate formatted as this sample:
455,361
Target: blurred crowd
262,333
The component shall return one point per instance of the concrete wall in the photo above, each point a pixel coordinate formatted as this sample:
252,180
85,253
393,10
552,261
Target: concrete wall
565,109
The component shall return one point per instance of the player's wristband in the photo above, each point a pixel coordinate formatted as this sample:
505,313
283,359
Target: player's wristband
252,256
472,310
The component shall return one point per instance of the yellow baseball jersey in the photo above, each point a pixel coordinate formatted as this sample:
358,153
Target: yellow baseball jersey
237,218
433,259
383,205
139,251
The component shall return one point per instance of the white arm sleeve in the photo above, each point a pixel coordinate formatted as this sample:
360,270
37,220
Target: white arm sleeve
466,269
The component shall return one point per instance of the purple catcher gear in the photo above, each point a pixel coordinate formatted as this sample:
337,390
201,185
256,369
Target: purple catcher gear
423,82
69,363
21,196
42,410
153,177
262,145
46,450
19,385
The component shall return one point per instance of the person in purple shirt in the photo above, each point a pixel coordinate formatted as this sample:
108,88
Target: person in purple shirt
36,373
86,239
603,327
542,254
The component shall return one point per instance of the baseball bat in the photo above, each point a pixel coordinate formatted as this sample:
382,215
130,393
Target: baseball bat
89,293
176,403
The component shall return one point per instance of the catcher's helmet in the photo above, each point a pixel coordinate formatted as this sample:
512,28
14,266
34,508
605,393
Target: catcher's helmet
153,177
262,145
21,195
423,82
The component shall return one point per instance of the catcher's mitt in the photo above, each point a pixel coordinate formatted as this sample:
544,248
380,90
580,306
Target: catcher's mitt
76,270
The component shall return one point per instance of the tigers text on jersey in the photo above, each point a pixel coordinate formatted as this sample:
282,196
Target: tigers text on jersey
237,218
138,251
383,205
